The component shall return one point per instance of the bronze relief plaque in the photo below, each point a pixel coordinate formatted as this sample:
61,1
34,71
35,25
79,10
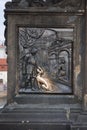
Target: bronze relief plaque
45,57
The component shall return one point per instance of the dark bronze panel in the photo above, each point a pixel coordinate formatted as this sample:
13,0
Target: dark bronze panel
45,60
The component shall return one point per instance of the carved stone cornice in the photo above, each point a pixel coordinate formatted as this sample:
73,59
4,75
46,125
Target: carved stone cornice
58,5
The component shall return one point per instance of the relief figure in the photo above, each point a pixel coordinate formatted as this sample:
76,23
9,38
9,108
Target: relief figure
43,80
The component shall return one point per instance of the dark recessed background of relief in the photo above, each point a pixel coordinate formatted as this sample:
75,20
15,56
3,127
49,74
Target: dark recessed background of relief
45,60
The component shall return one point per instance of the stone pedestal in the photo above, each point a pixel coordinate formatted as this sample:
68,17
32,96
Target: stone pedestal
32,104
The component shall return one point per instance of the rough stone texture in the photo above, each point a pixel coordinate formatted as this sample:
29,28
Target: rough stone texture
44,111
63,5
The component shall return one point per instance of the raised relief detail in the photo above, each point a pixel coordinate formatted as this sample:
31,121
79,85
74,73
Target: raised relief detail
60,5
45,60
